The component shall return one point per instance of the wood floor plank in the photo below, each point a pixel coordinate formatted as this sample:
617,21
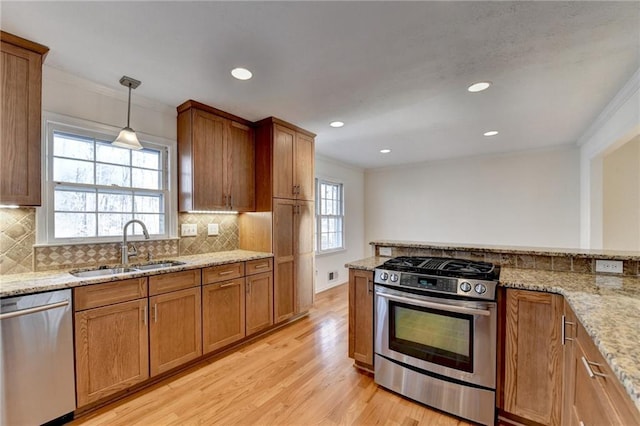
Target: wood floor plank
298,375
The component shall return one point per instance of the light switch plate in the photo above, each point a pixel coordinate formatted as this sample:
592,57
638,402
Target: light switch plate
213,229
189,230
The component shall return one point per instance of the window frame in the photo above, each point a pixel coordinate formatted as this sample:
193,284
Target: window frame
318,216
52,122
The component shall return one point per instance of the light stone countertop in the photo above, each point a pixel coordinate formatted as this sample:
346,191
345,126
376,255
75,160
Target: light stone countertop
36,282
523,250
607,306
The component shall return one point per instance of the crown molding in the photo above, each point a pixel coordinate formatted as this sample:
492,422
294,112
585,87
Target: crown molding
627,91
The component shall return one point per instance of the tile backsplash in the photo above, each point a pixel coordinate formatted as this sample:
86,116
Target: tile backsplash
18,237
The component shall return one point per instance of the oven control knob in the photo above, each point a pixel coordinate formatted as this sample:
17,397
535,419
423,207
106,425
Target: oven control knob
481,289
384,276
465,286
394,278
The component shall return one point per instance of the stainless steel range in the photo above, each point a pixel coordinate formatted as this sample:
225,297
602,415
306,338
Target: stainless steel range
435,333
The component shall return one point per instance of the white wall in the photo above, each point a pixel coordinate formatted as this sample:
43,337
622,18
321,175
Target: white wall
621,198
66,94
353,180
529,198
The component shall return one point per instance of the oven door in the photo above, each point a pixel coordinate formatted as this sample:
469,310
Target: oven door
451,338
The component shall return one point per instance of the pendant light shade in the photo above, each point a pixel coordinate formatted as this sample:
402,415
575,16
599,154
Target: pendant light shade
127,137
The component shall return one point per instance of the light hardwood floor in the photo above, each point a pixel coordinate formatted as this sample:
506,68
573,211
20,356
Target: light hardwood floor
299,375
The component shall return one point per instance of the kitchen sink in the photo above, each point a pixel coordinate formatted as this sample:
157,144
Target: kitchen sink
105,270
167,264
100,272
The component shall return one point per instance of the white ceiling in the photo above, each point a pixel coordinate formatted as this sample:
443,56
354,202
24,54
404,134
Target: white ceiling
395,72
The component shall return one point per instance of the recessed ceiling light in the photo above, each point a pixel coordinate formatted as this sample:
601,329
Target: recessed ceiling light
241,73
336,124
385,151
491,133
479,86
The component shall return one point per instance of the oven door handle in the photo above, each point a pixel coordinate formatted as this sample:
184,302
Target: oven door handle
442,307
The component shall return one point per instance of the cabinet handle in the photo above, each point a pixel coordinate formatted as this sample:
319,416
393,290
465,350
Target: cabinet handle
588,364
564,325
248,287
144,314
225,272
370,286
230,202
262,266
228,285
155,312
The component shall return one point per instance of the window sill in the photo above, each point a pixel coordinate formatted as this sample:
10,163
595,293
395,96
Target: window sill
330,252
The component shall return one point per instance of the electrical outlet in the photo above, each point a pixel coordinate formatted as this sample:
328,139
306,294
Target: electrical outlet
333,275
385,251
213,229
189,230
611,266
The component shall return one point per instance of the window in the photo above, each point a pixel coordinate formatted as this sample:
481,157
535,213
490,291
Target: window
329,216
94,188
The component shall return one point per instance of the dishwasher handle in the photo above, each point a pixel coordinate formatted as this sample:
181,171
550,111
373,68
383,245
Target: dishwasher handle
33,310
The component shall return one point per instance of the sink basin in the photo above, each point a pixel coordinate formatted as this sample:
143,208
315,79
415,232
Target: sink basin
102,272
151,266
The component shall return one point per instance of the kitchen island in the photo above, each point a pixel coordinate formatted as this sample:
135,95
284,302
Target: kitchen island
607,306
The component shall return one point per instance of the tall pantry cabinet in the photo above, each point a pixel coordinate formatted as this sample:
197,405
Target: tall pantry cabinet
285,202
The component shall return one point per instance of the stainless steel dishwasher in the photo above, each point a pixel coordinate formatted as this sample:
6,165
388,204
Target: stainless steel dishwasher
38,382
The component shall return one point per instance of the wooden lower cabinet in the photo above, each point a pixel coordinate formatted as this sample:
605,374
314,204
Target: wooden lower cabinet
223,314
592,393
112,349
361,317
174,329
533,356
259,302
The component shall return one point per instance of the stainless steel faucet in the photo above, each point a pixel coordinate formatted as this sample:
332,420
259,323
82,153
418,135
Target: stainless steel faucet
125,246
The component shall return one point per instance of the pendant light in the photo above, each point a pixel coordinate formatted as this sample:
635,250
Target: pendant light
127,137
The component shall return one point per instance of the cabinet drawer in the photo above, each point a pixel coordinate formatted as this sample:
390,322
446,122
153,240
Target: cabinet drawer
173,281
215,274
258,266
93,296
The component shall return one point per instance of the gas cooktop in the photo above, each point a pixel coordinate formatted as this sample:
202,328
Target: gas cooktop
447,267
442,275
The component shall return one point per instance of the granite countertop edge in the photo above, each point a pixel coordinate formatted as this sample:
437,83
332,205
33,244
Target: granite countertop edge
38,282
516,250
600,302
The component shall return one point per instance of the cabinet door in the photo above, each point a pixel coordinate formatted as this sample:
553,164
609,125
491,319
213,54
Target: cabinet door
533,356
174,331
304,167
223,314
284,302
305,255
112,351
283,162
20,126
361,317
208,157
240,180
259,289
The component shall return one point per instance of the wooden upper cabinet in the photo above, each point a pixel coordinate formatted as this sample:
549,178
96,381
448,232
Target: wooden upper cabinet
284,162
216,160
20,120
533,356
